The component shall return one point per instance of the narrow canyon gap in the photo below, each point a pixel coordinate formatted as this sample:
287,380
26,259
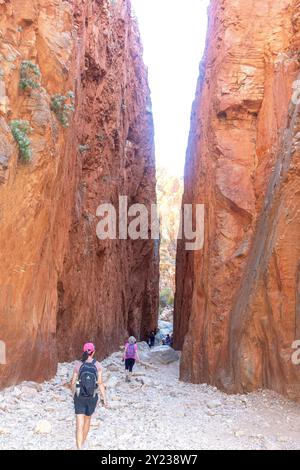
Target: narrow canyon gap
59,284
237,300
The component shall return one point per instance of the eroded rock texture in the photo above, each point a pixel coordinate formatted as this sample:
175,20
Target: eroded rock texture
59,284
237,302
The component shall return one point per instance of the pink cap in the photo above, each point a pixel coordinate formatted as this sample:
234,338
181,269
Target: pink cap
89,347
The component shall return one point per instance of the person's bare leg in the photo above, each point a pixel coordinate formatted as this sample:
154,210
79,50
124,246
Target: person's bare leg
86,427
79,431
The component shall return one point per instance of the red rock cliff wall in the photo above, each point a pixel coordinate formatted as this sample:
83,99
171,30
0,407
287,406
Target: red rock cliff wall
59,284
237,300
118,279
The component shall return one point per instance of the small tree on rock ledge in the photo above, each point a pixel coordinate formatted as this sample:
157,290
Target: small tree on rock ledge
63,107
19,130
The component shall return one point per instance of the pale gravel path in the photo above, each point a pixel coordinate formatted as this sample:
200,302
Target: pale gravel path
161,414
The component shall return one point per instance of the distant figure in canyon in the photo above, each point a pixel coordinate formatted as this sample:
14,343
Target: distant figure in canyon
130,356
167,340
87,378
151,340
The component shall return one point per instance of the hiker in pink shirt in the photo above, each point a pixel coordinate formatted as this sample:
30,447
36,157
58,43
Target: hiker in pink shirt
130,356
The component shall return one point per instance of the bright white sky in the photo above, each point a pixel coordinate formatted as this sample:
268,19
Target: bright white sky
173,34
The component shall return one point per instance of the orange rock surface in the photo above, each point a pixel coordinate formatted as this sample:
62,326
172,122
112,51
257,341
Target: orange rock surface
237,300
59,284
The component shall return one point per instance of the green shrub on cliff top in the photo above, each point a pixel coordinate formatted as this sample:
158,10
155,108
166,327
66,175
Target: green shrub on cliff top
63,107
19,130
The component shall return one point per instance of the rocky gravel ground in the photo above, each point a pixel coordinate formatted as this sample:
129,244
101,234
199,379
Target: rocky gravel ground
154,412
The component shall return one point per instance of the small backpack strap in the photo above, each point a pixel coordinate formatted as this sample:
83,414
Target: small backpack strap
94,364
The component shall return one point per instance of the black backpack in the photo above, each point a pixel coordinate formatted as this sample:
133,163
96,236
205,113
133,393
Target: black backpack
88,378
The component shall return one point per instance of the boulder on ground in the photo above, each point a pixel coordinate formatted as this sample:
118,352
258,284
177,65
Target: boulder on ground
144,351
28,392
143,346
43,427
164,355
213,404
165,327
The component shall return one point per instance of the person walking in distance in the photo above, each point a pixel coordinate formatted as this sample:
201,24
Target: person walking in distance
152,339
130,356
87,378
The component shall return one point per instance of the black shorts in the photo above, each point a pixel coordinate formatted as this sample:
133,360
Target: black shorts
129,363
85,406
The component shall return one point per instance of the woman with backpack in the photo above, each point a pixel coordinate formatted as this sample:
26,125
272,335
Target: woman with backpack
130,356
87,378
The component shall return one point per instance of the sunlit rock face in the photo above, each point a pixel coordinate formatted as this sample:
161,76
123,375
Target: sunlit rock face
59,284
237,306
